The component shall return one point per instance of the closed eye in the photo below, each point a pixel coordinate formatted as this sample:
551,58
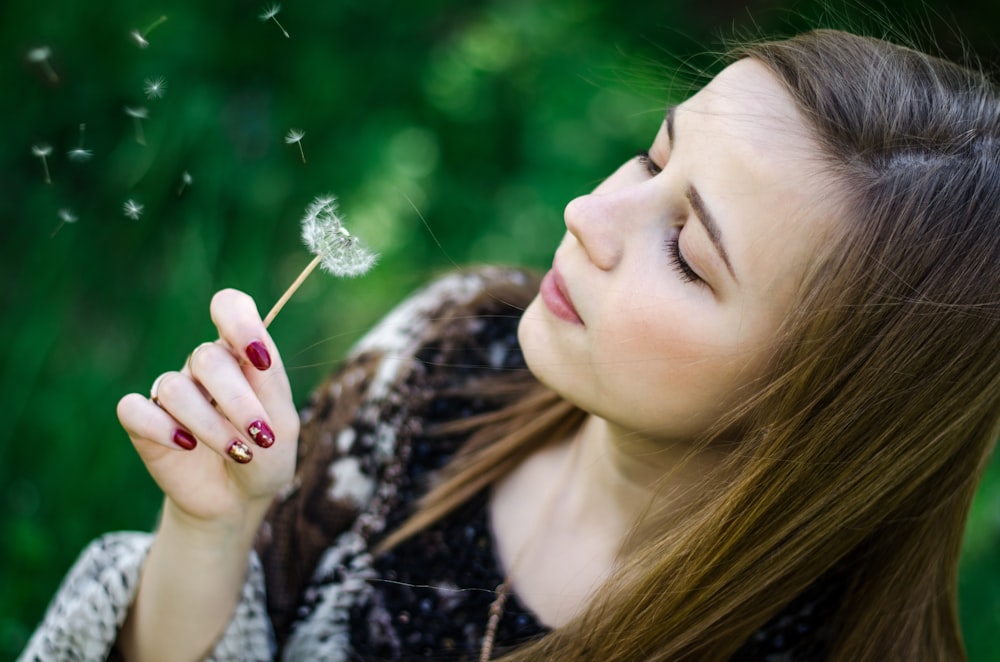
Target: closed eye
643,158
680,264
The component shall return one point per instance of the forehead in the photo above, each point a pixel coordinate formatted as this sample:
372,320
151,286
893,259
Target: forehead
757,166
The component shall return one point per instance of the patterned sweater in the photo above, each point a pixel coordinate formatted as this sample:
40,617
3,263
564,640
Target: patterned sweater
368,451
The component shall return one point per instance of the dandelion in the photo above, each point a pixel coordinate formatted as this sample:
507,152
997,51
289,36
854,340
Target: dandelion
40,56
66,215
336,250
42,150
138,113
294,137
140,37
155,88
270,13
78,153
186,180
132,209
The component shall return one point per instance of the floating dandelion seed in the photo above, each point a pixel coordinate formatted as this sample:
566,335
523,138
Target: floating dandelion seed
40,56
270,13
42,150
66,215
139,40
140,37
186,180
78,153
294,137
337,251
132,209
155,88
138,114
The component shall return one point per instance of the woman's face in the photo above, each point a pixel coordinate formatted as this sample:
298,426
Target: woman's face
667,289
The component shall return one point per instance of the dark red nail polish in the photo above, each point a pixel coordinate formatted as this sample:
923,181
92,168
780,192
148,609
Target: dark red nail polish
261,433
258,356
184,439
239,451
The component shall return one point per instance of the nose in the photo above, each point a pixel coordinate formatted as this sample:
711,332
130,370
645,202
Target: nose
594,220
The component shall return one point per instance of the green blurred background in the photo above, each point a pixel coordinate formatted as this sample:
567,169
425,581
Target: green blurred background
453,132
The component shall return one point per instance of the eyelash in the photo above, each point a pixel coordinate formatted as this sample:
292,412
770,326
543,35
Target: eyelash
643,157
681,266
672,245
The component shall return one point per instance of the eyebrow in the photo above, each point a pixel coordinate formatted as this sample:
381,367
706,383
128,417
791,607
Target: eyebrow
698,204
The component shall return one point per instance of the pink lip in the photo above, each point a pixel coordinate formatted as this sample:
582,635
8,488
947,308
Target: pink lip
556,297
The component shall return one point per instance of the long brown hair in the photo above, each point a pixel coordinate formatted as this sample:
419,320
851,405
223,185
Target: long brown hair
863,446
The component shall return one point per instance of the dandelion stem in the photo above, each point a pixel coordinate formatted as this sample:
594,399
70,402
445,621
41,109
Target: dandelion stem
45,165
49,71
302,152
152,26
291,290
283,30
58,228
140,136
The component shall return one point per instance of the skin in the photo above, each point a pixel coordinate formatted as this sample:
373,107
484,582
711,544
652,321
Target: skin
653,357
191,579
656,354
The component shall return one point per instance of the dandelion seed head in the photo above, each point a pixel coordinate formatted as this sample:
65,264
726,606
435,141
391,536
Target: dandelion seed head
66,215
155,88
138,112
41,150
40,54
294,135
186,178
270,11
139,40
79,154
132,209
324,234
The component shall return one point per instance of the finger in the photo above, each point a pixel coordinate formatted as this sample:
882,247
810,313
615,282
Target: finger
238,321
142,419
217,372
235,315
182,398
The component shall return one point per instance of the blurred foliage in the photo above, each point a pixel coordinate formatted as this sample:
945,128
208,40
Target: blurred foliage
454,132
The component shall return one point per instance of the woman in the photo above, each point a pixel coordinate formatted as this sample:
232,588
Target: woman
766,364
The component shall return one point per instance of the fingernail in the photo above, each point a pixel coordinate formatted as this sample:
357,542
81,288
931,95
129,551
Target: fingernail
184,439
239,451
258,355
261,434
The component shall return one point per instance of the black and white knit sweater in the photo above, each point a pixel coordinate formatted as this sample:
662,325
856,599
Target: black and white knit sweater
315,590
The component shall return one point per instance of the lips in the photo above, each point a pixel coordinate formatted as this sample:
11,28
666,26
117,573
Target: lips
556,297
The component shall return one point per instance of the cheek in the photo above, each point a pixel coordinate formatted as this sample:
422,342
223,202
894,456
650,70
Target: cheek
680,361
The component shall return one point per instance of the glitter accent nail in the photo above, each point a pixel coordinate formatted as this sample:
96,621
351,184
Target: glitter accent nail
239,451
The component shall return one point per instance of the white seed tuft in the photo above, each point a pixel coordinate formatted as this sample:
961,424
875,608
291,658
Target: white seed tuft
270,13
42,150
139,40
294,137
324,234
155,88
40,54
132,209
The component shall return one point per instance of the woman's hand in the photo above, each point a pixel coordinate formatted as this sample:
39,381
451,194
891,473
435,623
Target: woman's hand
219,437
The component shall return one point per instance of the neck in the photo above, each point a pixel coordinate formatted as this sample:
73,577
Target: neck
620,474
